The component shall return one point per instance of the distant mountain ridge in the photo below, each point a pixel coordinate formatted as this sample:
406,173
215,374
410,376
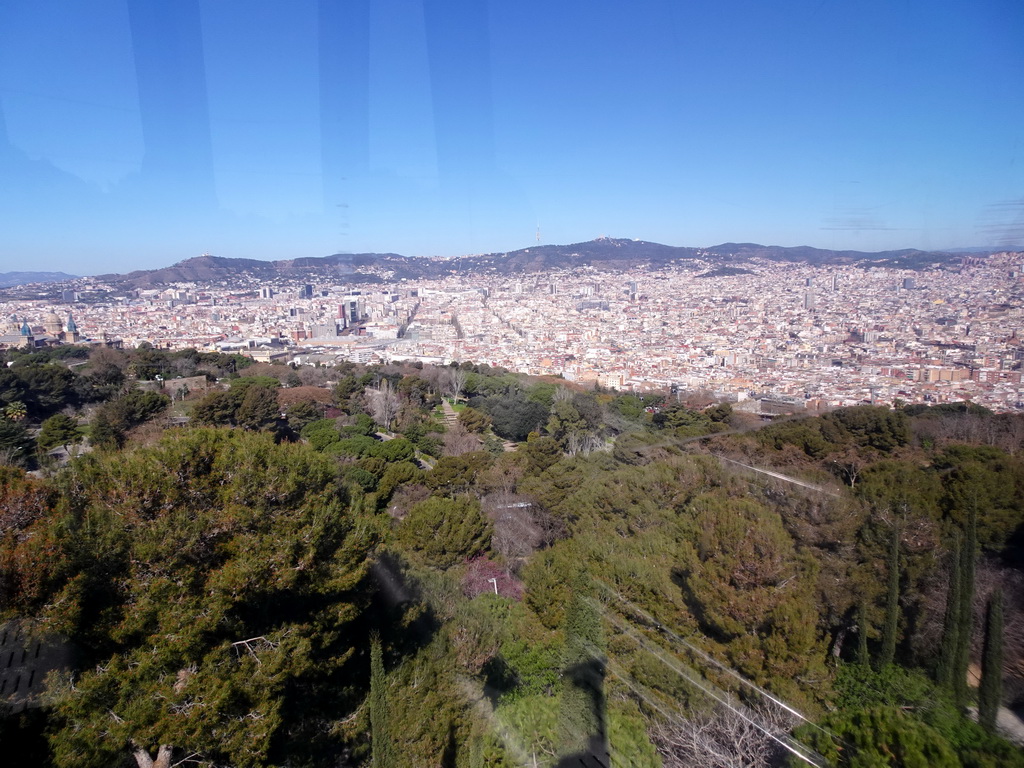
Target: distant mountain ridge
207,268
604,252
12,279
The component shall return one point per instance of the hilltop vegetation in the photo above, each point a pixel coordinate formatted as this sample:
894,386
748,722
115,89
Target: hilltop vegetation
323,568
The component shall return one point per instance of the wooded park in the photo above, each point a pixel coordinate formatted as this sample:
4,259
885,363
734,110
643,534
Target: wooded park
309,566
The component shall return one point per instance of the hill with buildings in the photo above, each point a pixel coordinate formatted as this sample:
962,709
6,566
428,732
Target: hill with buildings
604,253
360,267
909,258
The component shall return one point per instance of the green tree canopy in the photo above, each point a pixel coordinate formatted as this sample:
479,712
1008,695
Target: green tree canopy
877,738
59,429
474,420
444,532
513,415
16,444
750,590
214,581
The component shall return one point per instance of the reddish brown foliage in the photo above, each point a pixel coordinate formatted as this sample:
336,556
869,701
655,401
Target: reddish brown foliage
22,500
478,579
292,395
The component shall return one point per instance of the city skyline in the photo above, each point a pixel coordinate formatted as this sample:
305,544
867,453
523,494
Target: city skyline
133,137
813,336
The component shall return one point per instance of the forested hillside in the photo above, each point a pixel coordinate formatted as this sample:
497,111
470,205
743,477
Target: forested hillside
416,566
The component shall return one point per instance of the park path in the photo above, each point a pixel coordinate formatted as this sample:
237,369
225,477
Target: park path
451,418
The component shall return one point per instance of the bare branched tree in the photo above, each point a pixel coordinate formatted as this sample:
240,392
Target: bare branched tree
561,395
516,533
850,464
505,474
406,497
583,443
990,574
455,383
722,738
1011,437
458,440
384,403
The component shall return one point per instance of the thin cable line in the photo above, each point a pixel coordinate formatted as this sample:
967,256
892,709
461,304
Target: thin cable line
635,686
714,662
704,655
787,742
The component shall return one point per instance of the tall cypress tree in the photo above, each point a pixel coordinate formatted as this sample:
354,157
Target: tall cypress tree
951,629
892,603
380,737
990,693
966,617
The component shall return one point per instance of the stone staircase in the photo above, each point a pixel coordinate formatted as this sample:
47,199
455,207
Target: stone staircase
451,418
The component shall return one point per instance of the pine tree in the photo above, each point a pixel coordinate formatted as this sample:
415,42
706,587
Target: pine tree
382,753
892,604
990,693
232,623
966,613
951,629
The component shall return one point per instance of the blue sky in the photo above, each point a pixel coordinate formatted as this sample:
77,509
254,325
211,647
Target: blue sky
134,134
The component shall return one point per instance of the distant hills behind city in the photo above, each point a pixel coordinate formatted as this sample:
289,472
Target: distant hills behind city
606,253
11,279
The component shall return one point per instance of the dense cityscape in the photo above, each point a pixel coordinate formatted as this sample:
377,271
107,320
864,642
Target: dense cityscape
769,335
